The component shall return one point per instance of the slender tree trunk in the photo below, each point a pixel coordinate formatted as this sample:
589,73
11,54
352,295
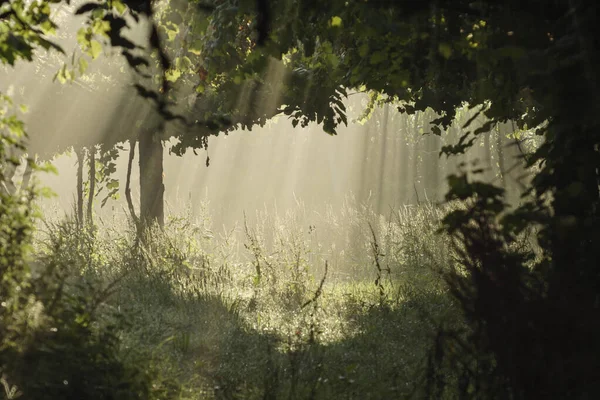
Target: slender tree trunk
431,164
381,192
80,160
135,218
92,181
364,182
500,154
487,148
151,180
7,185
416,177
402,165
27,173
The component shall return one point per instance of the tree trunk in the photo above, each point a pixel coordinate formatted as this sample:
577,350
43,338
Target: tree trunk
487,148
7,185
135,218
151,180
416,177
27,173
500,154
92,187
403,165
80,160
381,191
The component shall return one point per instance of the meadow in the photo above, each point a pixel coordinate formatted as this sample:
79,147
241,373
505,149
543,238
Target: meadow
292,304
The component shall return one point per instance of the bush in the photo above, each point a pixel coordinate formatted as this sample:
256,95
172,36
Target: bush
53,342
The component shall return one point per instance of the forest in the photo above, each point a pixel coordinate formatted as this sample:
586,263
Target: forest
292,199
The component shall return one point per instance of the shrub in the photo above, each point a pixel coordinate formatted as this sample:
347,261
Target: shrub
53,342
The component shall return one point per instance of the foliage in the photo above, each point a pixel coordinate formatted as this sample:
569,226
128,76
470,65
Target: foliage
512,61
239,62
23,28
53,341
193,300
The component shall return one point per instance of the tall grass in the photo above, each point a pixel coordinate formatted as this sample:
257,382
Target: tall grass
294,304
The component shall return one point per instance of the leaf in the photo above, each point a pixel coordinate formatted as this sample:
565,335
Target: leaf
363,50
171,34
378,57
83,37
445,50
48,27
173,75
119,6
485,127
116,40
336,21
95,49
410,110
473,118
195,47
135,61
101,27
185,63
87,8
46,44
145,93
60,75
114,184
333,60
83,65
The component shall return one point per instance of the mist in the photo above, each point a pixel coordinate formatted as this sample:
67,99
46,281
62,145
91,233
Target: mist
387,161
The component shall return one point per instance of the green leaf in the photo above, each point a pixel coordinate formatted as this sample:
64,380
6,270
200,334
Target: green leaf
83,65
185,63
363,50
445,50
173,74
101,27
61,75
333,60
336,21
114,184
48,27
172,33
119,6
378,57
95,49
195,48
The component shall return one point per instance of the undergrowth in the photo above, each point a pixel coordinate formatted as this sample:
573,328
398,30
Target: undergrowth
343,304
294,305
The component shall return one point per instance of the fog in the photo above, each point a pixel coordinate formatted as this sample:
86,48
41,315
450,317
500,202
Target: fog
386,160
384,163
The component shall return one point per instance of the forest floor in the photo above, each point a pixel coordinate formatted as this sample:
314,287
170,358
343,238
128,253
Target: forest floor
346,305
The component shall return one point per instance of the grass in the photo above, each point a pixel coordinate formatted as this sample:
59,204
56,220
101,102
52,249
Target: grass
252,311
